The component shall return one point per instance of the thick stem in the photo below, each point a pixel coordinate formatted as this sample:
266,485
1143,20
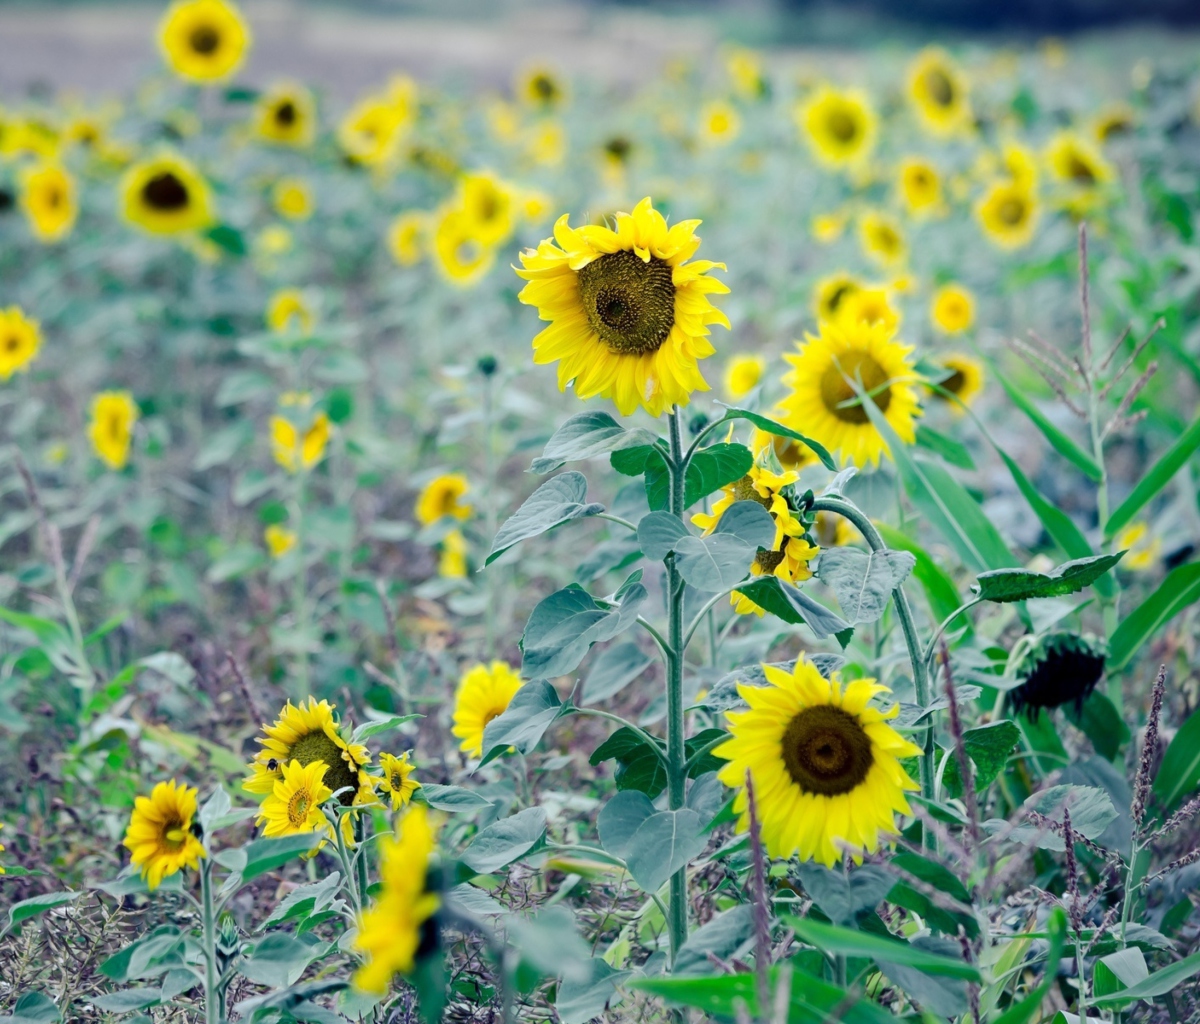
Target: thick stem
489,503
212,1007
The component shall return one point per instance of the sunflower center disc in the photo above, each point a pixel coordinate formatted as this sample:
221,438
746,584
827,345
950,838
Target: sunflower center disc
836,389
628,301
939,87
316,746
173,835
1081,172
165,192
298,809
1012,211
285,114
12,343
842,126
954,383
395,781
204,39
768,561
826,751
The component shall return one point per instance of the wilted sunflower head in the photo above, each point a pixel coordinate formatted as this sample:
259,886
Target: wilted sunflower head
1062,668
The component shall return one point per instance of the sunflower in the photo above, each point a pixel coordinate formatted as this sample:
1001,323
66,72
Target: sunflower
824,404
292,198
1113,121
203,40
279,540
964,379
406,237
440,498
629,315
392,933
20,340
742,374
289,311
1061,668
920,186
938,92
159,837
831,292
882,240
452,562
824,763
489,207
110,428
1008,214
484,693
165,195
790,453
1020,165
397,781
1142,549
48,198
295,449
746,73
1073,160
287,115
952,309
460,255
720,124
827,227
372,131
546,142
307,734
540,87
870,306
294,804
839,126
830,530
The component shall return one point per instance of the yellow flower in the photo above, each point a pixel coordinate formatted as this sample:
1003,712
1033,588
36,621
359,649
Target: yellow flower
288,310
1075,161
294,804
273,240
534,206
1114,120
461,256
745,72
831,292
287,115
882,240
397,781
920,186
159,837
308,734
406,237
1142,550
828,227
48,199
503,121
452,564
938,92
111,427
1020,165
279,540
440,498
541,87
390,932
484,693
742,374
952,309
372,131
295,450
629,315
292,199
546,143
964,379
839,126
20,340
720,124
1008,214
825,406
870,306
165,195
824,763
203,40
488,205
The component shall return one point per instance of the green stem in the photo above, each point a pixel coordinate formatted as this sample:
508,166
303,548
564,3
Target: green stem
302,685
360,858
489,503
618,520
212,999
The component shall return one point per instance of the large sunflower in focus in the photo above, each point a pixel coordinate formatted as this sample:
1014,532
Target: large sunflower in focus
203,40
824,763
823,402
287,115
629,315
938,92
166,195
840,126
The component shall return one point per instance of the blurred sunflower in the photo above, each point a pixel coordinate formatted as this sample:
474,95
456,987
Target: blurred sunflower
882,240
839,126
825,764
629,315
110,428
372,131
938,91
397,779
299,447
279,540
1020,165
308,734
159,837
742,374
48,199
294,804
288,310
964,379
828,227
824,405
546,143
292,198
440,499
1073,160
484,693
1142,548
870,306
166,195
20,340
1115,120
452,560
203,40
488,206
287,115
920,186
831,292
1008,214
790,453
540,87
952,309
459,254
2,871
720,123
746,73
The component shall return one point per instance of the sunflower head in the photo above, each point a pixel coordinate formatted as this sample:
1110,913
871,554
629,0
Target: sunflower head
488,206
296,799
20,339
166,195
1074,161
719,123
300,444
371,132
1062,668
462,257
397,781
160,837
440,498
870,306
292,198
920,186
742,374
541,87
203,40
48,198
406,237
289,311
452,558
110,427
1008,213
839,126
938,91
882,239
1114,121
1142,547
287,115
952,309
279,540
831,292
963,379
484,693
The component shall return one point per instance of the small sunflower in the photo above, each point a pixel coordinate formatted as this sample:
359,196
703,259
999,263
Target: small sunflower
20,340
279,540
289,311
483,694
1008,214
48,199
287,115
1020,165
825,764
920,187
166,195
839,126
299,447
952,309
964,378
938,91
440,498
824,405
742,374
159,837
1073,160
831,292
397,781
294,804
882,240
541,87
203,40
1114,121
828,227
546,142
870,306
629,315
292,198
790,453
406,237
306,734
452,560
110,428
371,133
458,251
1061,668
746,73
720,124
489,206
392,933
1142,548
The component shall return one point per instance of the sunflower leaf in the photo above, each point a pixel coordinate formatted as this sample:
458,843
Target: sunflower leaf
863,581
988,747
1006,585
505,841
662,844
713,563
530,713
564,626
791,604
779,430
559,500
586,435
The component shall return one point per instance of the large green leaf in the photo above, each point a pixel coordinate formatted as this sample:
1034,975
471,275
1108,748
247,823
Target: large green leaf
564,626
831,938
662,844
954,452
793,605
1180,588
23,910
529,714
505,841
559,500
988,747
1156,478
1179,773
775,427
1005,585
1059,441
586,435
1160,983
940,591
710,470
863,580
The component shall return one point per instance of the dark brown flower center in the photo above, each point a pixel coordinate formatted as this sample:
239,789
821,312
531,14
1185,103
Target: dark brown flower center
628,301
955,382
298,807
204,39
285,114
165,192
173,835
839,294
396,781
618,147
1012,211
316,746
842,126
939,88
826,751
1080,171
544,88
768,561
12,343
837,394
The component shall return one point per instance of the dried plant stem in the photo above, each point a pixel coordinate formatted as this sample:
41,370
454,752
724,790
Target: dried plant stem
758,900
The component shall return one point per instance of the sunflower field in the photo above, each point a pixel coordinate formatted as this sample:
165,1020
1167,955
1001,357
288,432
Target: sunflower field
721,549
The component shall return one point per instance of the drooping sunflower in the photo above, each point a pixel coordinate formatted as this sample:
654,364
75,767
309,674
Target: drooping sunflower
452,559
279,540
20,340
203,40
964,379
825,764
287,115
870,306
1061,668
48,199
406,237
920,187
308,733
882,239
541,87
742,374
397,779
300,447
629,315
288,310
484,693
1008,214
720,124
440,498
824,405
292,198
952,309
159,837
839,126
393,932
110,427
166,195
938,90
1075,161
831,292
1142,548
294,805
459,253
